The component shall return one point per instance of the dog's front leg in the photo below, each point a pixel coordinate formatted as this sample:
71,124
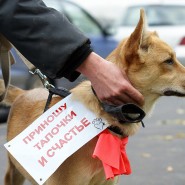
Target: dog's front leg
112,182
99,179
13,176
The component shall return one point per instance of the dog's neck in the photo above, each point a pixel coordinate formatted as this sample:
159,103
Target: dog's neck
120,61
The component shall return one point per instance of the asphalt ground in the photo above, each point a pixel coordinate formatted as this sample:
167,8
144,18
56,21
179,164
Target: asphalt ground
156,153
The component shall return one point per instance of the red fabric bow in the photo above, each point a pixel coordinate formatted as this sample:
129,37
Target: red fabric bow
111,150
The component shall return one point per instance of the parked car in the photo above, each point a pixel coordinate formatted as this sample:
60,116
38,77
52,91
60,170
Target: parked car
102,43
180,50
106,11
102,39
164,16
167,17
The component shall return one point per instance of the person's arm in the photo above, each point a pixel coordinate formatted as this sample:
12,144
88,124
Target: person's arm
44,36
47,39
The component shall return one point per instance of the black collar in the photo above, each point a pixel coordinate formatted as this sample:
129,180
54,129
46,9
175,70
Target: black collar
64,92
117,130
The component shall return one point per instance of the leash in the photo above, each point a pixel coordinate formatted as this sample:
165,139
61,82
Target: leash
6,59
62,92
126,113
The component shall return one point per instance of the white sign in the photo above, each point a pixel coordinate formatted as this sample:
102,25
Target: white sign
43,146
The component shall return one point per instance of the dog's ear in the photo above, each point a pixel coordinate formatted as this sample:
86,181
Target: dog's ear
137,39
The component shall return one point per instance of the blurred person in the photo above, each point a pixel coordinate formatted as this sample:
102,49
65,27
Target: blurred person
50,42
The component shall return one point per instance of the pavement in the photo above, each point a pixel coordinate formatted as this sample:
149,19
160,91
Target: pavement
156,153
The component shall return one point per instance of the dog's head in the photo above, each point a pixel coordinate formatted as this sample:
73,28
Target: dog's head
150,64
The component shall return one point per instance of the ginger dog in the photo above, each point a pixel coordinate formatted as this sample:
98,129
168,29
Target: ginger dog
152,68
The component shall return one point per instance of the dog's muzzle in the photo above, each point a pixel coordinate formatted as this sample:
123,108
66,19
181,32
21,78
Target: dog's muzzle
126,113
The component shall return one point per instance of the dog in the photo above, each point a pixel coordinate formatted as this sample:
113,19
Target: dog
152,68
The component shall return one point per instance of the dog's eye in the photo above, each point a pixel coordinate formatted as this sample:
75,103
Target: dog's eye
169,61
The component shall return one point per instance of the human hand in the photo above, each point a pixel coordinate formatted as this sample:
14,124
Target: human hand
111,85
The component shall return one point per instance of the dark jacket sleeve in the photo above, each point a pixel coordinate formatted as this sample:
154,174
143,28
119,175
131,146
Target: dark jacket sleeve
44,36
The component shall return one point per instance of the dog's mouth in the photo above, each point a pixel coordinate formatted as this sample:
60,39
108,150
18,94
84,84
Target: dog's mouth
174,93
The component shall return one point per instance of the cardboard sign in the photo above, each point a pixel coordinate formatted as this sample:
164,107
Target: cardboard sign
43,146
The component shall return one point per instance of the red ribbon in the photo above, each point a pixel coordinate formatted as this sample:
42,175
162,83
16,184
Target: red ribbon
111,150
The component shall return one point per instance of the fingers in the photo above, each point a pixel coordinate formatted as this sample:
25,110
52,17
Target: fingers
118,100
135,96
127,94
123,99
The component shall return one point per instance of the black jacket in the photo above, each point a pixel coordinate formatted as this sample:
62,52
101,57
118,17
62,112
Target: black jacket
44,36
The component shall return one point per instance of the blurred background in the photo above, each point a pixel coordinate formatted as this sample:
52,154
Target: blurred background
157,152
107,22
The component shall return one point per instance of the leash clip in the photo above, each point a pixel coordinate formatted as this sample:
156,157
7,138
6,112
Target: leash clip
51,88
43,78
